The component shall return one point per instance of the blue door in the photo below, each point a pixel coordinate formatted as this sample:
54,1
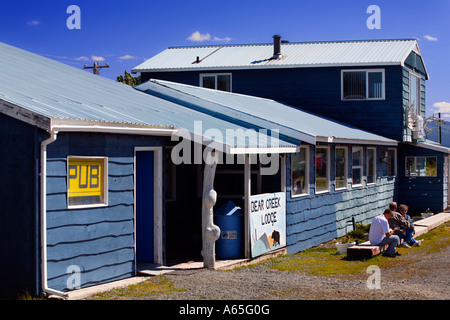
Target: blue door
144,205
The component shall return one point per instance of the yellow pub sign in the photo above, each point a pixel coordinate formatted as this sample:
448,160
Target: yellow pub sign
86,181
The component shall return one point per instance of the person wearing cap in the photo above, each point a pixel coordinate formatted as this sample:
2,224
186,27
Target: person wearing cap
381,234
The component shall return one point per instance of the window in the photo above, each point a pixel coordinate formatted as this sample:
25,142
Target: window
414,94
362,84
300,172
87,181
392,162
371,165
421,166
341,168
216,81
357,166
170,170
322,169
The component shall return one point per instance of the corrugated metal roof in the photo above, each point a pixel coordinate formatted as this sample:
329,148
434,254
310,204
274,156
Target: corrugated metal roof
265,113
66,95
307,54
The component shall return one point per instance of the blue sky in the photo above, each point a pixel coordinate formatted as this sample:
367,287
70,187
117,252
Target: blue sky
126,33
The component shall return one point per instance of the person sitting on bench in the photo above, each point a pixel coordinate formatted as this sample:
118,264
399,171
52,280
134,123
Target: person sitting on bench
380,234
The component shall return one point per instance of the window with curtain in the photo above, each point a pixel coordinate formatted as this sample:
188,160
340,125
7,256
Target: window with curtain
362,84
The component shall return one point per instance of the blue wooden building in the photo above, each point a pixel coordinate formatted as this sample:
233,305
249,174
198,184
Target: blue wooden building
375,85
87,171
93,188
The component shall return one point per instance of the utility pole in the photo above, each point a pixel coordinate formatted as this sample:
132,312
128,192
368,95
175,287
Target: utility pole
96,67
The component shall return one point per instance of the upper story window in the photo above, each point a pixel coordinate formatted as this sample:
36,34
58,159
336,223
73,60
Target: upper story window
414,93
217,81
363,84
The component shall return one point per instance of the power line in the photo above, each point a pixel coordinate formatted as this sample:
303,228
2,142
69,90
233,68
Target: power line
96,67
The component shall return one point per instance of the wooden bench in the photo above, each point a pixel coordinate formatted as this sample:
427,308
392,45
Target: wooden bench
367,250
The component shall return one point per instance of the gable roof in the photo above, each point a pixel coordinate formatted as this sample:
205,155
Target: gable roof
300,54
262,113
56,97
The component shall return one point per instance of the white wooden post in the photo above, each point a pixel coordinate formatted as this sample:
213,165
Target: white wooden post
247,194
210,232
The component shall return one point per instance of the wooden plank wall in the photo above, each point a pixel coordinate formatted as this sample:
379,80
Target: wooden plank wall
19,165
100,241
317,218
420,193
317,90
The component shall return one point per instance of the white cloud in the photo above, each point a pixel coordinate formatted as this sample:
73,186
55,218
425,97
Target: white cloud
227,39
33,23
443,107
198,37
126,57
82,58
97,58
430,38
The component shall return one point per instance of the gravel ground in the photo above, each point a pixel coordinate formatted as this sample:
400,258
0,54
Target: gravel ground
425,277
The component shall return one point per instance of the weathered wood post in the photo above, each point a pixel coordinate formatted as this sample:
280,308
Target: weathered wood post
210,232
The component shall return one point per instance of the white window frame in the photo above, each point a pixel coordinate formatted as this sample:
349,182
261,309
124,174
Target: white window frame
395,162
306,148
345,170
358,167
215,75
415,159
418,108
104,203
328,169
374,165
367,71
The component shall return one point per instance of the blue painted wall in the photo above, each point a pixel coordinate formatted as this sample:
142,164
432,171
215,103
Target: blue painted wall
317,218
420,193
19,207
317,90
100,241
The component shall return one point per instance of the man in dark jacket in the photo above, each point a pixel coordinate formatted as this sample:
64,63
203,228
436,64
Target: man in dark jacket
402,228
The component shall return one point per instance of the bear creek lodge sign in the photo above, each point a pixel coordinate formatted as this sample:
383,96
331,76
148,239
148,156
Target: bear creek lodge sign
267,222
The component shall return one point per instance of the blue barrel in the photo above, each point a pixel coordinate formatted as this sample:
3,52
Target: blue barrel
230,219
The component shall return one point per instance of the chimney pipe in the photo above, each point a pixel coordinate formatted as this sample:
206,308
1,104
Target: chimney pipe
277,47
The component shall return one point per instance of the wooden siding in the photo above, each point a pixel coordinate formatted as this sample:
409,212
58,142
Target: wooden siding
317,90
420,193
19,233
405,98
100,241
317,218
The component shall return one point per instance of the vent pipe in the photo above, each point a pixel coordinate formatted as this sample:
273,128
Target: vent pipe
277,47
